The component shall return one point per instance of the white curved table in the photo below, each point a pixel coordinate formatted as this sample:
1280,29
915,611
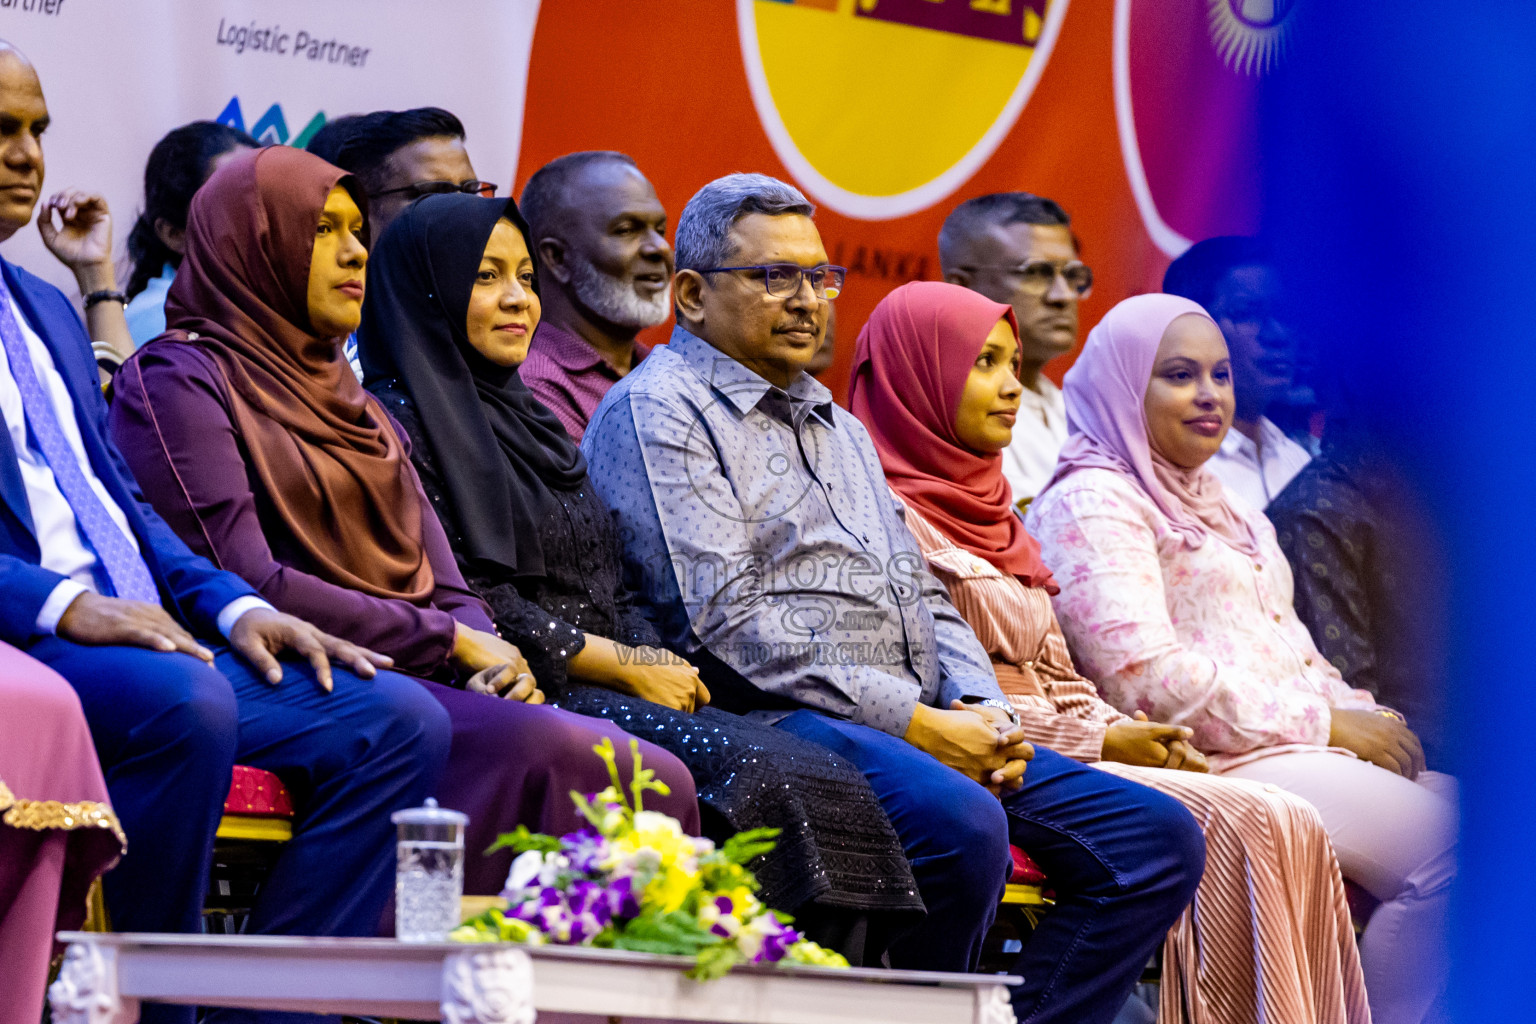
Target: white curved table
106,976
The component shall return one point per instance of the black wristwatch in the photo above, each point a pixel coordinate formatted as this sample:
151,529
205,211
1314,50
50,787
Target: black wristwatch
105,295
1004,706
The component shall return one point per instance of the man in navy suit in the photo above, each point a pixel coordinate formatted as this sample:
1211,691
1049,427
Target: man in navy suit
93,584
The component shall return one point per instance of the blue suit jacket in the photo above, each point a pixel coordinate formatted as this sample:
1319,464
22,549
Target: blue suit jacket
192,589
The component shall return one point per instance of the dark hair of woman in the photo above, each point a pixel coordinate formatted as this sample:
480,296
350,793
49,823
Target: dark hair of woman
177,168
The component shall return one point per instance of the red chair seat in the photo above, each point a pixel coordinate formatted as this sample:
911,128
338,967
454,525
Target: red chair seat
1025,870
254,793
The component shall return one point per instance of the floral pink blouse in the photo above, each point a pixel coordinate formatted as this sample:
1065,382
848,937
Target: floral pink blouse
1205,638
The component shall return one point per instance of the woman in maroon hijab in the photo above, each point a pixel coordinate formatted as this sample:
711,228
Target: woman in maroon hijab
252,437
1268,935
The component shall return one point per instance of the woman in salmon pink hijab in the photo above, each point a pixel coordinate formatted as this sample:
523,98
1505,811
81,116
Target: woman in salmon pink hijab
1178,602
1268,936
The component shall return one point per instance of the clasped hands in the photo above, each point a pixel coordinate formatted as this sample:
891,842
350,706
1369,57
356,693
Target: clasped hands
649,673
977,740
1152,745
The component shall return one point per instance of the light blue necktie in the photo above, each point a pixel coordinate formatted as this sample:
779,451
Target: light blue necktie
125,570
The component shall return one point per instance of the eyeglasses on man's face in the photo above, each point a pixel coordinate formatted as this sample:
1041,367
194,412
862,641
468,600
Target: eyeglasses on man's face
417,189
1038,277
782,280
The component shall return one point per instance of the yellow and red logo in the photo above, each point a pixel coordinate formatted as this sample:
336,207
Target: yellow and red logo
881,108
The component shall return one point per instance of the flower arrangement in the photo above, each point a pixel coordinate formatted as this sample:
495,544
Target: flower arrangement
634,880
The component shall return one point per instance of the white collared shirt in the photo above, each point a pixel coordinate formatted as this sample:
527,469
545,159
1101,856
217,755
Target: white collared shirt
1257,473
1038,436
63,548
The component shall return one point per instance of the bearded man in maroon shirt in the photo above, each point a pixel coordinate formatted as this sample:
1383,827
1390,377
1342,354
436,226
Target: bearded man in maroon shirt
605,274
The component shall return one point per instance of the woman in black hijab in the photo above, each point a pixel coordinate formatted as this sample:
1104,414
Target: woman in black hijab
452,306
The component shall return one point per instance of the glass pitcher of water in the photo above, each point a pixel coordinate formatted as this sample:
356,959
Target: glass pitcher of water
429,872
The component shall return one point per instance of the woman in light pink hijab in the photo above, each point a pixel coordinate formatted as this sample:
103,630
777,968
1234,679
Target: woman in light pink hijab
1177,601
1107,424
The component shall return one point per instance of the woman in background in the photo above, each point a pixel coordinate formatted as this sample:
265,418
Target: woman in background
177,168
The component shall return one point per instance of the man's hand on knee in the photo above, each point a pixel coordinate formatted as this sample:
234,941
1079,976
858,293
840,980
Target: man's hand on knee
262,634
98,621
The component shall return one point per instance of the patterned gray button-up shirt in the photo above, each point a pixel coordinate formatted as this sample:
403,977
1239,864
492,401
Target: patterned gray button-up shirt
757,524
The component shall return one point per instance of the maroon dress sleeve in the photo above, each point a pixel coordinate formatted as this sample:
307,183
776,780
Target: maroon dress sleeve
170,418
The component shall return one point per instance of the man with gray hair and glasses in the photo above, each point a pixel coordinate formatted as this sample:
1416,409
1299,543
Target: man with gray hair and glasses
758,525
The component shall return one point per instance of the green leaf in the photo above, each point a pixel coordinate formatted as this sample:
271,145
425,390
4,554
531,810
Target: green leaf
743,846
716,961
676,932
522,840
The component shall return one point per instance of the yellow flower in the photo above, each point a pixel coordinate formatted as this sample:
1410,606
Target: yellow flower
743,903
663,834
670,889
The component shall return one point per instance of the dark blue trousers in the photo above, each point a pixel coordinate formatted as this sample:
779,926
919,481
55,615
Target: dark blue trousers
168,728
1124,860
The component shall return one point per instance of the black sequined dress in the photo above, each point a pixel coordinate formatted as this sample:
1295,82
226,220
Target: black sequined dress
837,848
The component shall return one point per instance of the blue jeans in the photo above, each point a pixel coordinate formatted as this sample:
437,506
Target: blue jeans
168,728
1124,860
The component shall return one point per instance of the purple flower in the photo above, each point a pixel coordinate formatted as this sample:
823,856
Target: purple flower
590,899
777,939
576,914
621,899
585,849
584,927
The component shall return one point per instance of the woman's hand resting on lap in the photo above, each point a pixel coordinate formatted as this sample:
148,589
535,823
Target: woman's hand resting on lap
502,681
663,678
649,673
1152,745
1380,739
498,667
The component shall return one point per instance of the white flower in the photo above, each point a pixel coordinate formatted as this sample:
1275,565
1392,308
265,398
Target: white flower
655,821
554,863
750,938
525,870
750,941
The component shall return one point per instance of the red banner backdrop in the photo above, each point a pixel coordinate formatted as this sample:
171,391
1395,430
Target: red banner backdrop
1136,115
